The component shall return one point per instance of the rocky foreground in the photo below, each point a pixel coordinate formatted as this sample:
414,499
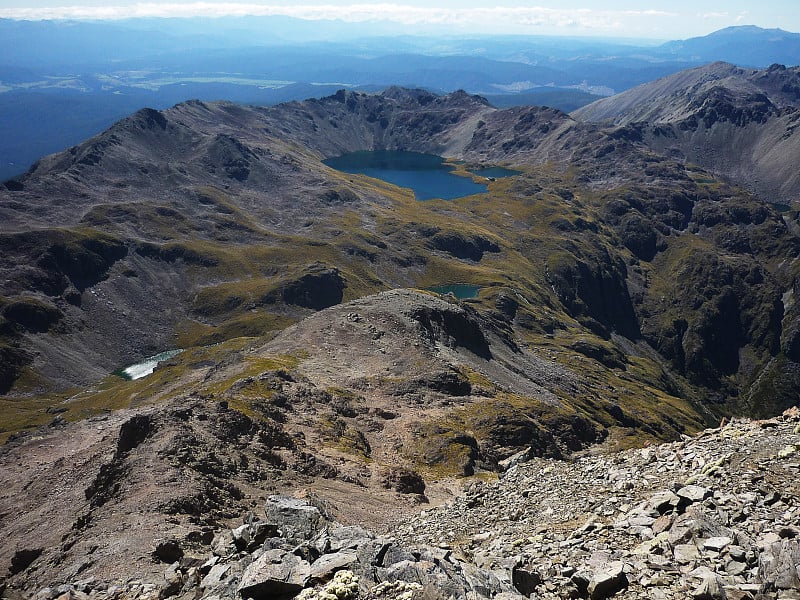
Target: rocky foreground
716,516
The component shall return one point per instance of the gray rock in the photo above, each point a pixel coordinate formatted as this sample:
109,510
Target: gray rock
394,554
641,521
709,589
223,544
717,544
693,493
516,459
372,553
686,553
736,593
216,575
580,580
483,584
735,567
696,522
296,519
778,565
241,537
275,575
737,553
608,581
663,502
173,582
351,537
251,535
325,567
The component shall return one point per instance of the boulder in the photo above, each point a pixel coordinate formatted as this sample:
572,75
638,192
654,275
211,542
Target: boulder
663,502
275,575
223,544
709,589
296,519
324,568
608,581
525,580
251,535
778,565
685,553
717,544
690,494
350,536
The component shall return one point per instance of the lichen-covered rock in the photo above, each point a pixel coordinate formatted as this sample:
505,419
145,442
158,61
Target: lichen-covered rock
343,586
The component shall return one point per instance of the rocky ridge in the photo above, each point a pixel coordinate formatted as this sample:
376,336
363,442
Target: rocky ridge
739,123
711,516
715,516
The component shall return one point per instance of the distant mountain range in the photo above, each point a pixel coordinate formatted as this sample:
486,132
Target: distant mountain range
62,81
747,46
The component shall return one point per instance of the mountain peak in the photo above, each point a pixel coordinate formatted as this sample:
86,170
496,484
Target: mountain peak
742,45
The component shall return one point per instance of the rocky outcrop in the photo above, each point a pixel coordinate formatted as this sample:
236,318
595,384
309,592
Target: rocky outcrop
318,289
707,517
308,556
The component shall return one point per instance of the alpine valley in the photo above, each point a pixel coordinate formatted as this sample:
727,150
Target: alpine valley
635,283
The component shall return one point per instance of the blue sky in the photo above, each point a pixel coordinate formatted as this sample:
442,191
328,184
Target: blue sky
674,19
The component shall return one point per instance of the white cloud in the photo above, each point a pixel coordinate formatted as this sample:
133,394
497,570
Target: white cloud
497,17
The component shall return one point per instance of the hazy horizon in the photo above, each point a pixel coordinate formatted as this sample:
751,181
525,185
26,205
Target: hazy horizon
620,19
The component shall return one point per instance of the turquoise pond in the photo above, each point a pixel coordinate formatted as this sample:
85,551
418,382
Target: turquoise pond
427,175
462,291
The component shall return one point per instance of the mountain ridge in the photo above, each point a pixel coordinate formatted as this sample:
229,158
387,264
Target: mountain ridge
175,199
738,123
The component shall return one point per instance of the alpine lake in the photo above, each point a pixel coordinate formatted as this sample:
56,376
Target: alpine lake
427,175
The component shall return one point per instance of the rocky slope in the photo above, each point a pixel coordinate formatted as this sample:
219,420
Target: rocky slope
710,516
738,123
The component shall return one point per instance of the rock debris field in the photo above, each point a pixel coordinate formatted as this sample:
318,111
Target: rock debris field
715,516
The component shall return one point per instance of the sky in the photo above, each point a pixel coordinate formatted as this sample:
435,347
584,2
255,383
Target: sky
673,19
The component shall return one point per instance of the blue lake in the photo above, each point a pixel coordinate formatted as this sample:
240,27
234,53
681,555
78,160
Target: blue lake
427,175
462,291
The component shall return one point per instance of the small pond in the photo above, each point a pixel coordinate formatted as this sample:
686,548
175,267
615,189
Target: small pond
427,175
462,291
147,366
